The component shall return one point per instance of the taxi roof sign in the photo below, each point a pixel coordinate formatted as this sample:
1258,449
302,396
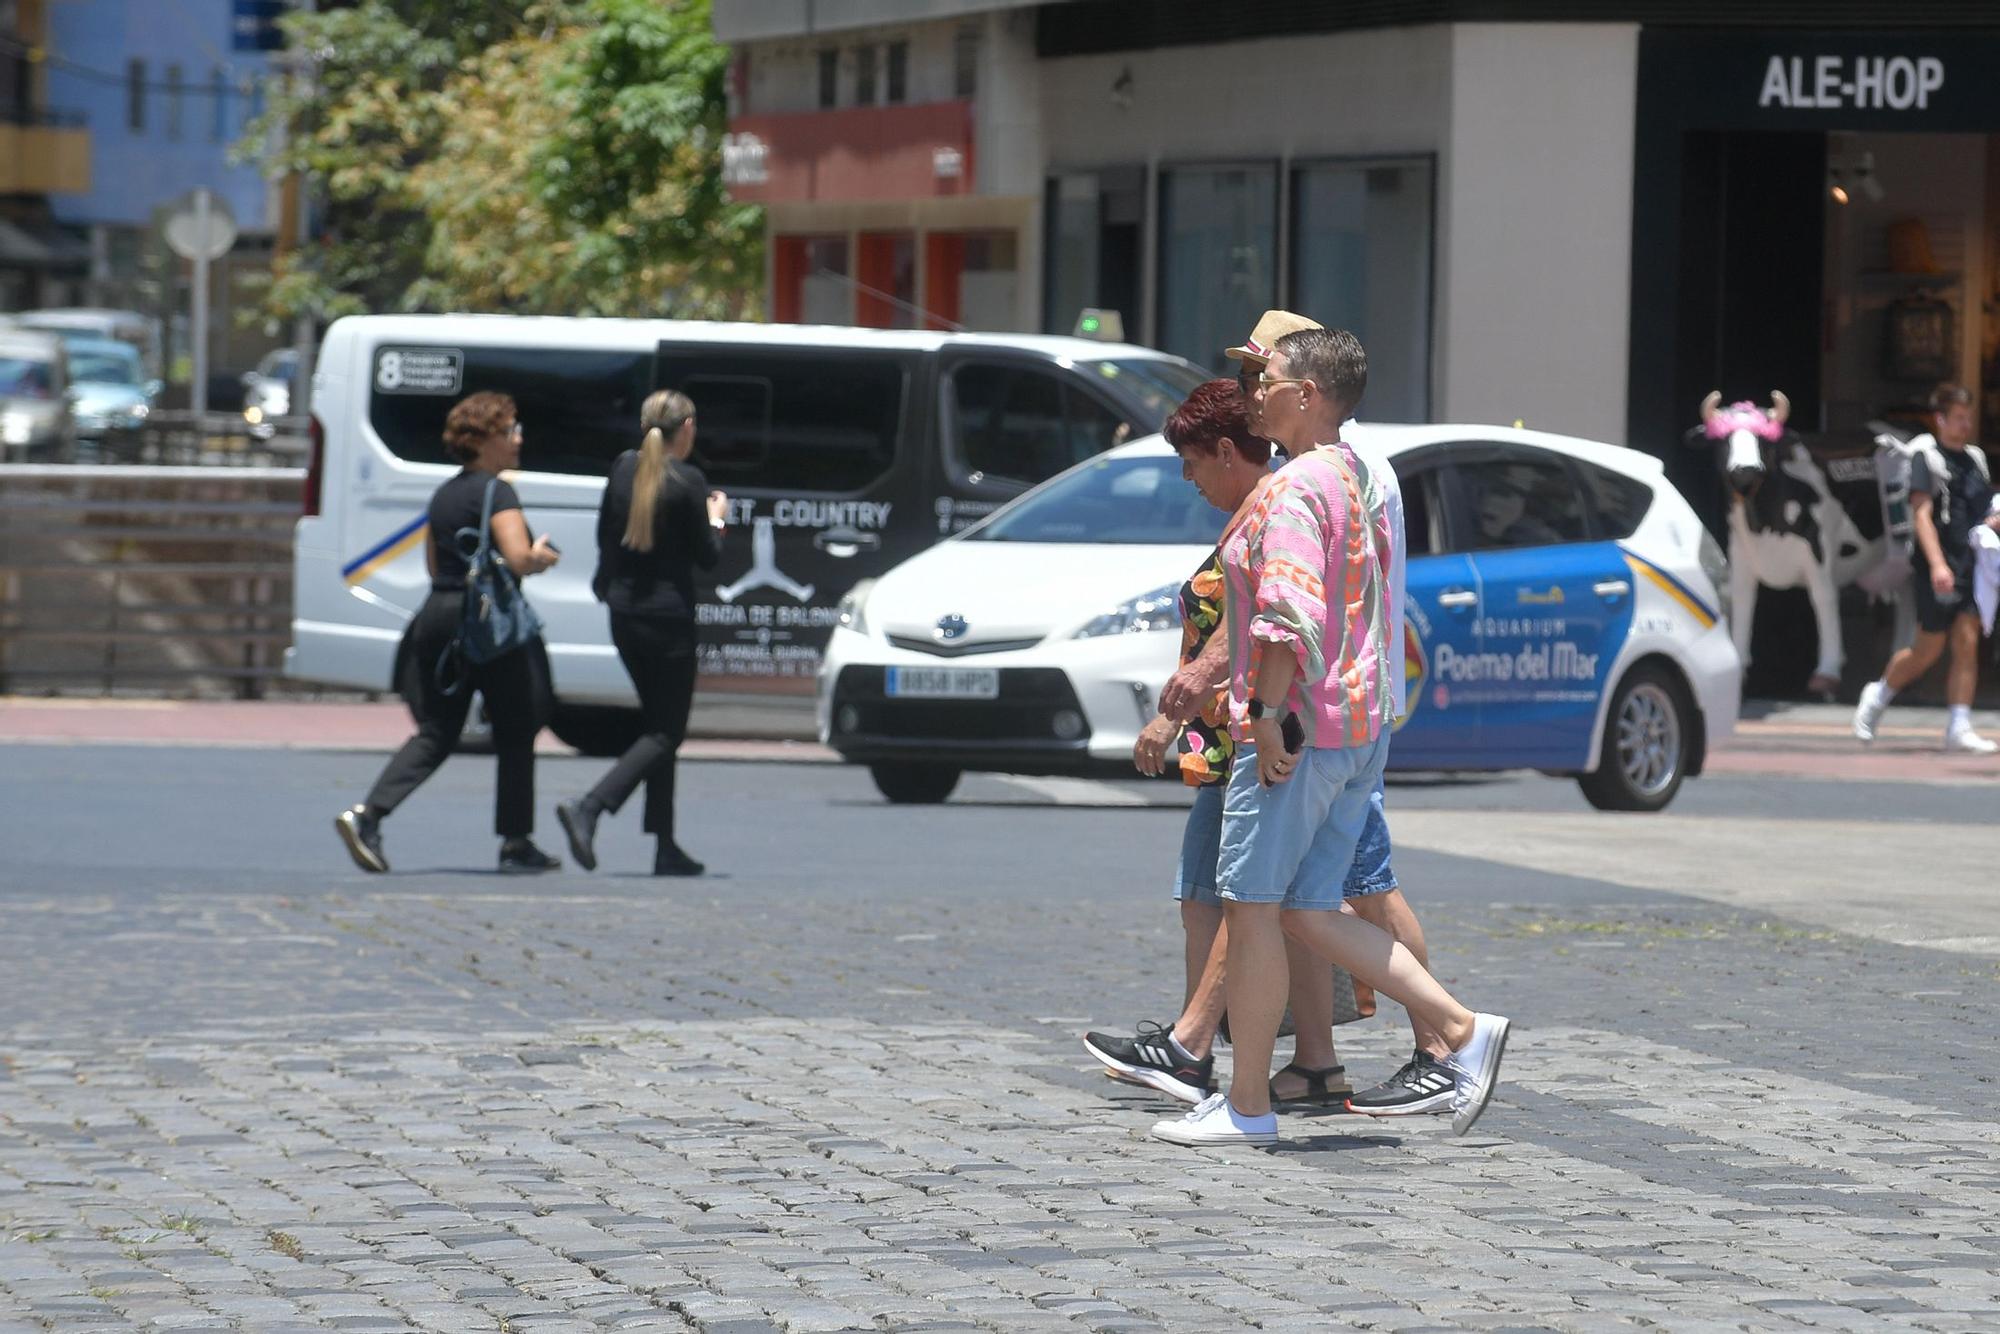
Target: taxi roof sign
1104,325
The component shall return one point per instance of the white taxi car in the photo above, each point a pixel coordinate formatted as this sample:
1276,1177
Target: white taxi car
1564,614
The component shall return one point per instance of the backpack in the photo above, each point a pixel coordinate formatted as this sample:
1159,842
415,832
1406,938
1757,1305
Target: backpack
498,619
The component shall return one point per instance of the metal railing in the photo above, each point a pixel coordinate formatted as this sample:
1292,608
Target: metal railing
171,580
179,438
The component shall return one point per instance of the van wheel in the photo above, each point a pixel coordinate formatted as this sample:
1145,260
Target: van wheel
599,730
914,784
1647,740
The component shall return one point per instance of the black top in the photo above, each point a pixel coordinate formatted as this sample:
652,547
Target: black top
455,505
659,582
1967,496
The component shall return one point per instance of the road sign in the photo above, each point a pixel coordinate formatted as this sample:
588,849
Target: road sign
200,231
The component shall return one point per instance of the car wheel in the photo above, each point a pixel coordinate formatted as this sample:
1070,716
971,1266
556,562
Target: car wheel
600,730
914,784
1647,737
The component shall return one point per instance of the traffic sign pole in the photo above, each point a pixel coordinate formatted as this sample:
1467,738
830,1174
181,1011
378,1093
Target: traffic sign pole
199,315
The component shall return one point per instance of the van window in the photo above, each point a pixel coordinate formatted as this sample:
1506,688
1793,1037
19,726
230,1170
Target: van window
1020,424
579,409
790,421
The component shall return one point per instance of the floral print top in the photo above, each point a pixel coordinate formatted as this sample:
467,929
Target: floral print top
1206,747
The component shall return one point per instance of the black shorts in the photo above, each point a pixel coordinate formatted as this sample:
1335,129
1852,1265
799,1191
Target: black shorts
1935,615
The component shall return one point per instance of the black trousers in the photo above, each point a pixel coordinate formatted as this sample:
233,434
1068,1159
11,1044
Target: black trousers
516,690
658,653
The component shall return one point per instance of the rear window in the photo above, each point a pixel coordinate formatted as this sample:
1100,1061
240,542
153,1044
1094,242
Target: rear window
1110,501
792,421
1621,501
579,409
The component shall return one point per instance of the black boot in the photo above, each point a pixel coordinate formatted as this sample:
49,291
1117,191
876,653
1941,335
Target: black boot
668,859
579,822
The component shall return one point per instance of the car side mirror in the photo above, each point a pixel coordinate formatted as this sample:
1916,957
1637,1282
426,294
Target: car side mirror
153,388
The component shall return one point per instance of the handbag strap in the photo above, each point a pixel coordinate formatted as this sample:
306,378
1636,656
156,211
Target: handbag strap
486,523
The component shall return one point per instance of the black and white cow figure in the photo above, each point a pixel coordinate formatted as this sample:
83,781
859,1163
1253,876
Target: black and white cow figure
1786,529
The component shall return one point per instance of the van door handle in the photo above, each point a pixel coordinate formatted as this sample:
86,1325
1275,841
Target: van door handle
1458,598
845,543
1611,588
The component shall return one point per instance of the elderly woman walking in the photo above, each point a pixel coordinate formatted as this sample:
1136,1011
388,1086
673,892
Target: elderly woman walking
1306,596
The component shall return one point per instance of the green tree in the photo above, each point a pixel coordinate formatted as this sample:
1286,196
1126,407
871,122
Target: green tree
562,157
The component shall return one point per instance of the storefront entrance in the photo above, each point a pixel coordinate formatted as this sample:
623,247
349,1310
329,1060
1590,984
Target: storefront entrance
1820,215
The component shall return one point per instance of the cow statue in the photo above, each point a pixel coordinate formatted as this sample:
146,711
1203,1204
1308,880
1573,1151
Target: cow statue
1786,529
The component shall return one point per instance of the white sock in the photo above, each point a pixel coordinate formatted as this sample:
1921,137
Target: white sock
1961,720
1884,692
1179,1050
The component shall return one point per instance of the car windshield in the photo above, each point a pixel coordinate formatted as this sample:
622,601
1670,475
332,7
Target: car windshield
1151,385
103,367
1128,501
25,377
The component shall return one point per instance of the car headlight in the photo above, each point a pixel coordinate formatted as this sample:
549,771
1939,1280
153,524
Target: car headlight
1157,610
254,415
139,412
17,428
851,617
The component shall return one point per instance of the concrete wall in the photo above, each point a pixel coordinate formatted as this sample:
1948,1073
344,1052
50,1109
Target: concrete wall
1535,227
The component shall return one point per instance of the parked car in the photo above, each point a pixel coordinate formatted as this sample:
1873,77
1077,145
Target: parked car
110,395
1564,614
843,451
35,420
267,391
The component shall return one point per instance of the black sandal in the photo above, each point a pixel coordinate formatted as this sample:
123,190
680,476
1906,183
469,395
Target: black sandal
1317,1094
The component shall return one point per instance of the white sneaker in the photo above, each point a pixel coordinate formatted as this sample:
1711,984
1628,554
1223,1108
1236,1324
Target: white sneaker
1965,741
1214,1121
1475,1069
1869,711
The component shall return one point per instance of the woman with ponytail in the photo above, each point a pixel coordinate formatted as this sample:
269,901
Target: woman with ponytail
658,522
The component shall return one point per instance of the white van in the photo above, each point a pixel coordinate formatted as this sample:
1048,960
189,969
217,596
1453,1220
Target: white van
844,451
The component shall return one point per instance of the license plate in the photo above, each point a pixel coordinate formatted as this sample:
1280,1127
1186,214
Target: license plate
943,683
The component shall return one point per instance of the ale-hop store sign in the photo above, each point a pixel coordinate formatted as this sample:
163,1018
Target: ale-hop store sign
1725,79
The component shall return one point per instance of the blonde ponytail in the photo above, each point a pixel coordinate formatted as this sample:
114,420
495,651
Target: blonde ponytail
662,415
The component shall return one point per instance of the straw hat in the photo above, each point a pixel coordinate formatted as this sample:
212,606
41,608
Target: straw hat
1264,338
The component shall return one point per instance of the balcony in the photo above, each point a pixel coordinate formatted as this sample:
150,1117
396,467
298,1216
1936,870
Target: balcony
43,152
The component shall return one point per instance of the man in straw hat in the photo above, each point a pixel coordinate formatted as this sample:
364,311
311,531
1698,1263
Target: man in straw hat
1177,1059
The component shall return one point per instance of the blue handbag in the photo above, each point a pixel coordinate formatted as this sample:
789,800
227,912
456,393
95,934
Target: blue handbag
498,619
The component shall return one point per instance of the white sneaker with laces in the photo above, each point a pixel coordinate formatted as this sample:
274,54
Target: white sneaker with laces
1476,1069
1213,1122
1965,741
1869,711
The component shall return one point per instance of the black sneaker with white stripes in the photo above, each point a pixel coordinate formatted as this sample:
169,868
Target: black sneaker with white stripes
1422,1085
1148,1058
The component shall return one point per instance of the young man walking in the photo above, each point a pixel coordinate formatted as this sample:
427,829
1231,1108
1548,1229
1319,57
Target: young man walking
1951,495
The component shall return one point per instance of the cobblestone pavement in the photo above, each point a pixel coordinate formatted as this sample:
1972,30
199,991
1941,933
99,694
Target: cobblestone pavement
839,1087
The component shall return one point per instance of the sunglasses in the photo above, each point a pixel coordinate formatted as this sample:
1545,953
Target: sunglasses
1267,380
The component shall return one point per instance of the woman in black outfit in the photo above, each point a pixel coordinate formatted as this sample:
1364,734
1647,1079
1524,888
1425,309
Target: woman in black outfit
483,432
658,522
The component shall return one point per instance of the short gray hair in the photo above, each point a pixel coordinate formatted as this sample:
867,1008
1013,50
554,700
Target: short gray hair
1333,359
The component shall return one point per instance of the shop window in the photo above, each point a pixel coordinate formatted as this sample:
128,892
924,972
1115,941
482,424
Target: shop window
1094,237
1361,260
791,421
897,74
971,279
810,283
829,78
579,410
1522,501
864,76
1218,257
1016,425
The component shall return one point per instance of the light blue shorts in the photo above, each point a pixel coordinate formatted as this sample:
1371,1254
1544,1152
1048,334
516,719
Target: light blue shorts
1296,843
1201,845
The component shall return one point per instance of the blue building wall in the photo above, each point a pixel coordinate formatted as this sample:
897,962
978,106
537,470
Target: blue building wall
182,141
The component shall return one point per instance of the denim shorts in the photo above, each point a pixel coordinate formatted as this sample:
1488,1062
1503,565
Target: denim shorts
1370,873
1296,843
1201,841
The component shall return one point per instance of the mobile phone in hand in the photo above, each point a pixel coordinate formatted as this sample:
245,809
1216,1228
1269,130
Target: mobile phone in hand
1294,733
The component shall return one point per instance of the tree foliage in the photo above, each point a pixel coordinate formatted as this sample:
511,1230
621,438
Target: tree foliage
559,157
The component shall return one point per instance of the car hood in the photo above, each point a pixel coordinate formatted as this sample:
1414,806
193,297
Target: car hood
102,396
1020,590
